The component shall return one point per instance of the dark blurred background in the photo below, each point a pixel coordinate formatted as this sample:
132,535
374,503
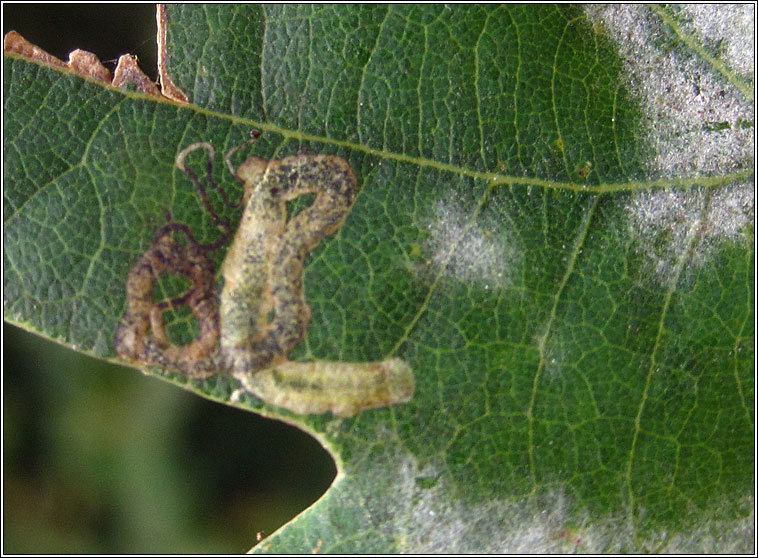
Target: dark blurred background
101,459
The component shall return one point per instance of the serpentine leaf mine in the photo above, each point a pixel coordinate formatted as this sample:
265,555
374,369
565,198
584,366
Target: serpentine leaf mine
262,312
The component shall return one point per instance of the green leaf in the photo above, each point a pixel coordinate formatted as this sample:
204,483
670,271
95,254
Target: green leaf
555,229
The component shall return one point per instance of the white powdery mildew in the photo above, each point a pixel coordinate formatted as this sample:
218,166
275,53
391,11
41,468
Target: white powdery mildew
430,521
730,211
713,536
661,222
471,252
696,121
728,27
665,222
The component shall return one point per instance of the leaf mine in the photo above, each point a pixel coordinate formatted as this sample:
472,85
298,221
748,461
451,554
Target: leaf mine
262,313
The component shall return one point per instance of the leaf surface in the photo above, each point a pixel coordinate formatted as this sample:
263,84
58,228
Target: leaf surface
554,229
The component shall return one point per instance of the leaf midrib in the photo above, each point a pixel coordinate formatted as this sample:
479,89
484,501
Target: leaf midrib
709,181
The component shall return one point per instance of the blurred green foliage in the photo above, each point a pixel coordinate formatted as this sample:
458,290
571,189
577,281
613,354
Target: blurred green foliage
99,459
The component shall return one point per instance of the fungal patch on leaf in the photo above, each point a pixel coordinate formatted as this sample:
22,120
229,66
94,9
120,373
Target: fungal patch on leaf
727,28
262,312
695,118
468,250
665,222
435,518
699,119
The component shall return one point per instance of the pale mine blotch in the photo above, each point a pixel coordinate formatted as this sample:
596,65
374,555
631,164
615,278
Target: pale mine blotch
262,272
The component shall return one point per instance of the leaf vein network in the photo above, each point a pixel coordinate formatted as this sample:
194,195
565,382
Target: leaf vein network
695,231
542,340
